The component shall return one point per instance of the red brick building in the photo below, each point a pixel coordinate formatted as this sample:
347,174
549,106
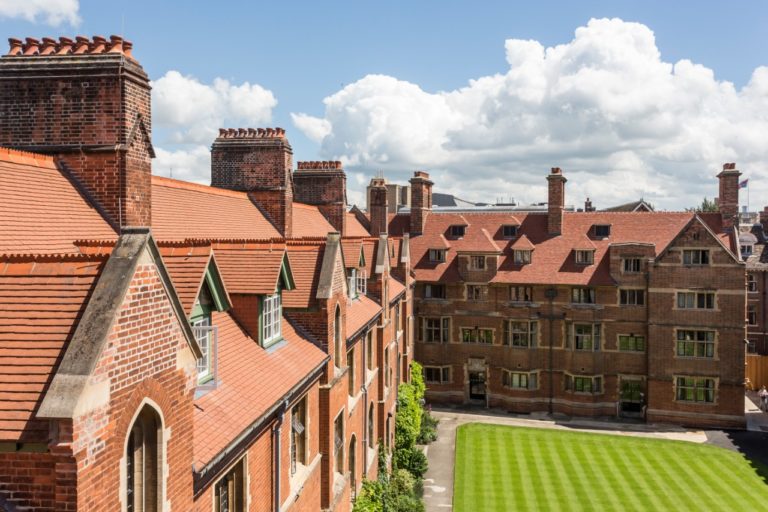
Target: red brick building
171,346
585,313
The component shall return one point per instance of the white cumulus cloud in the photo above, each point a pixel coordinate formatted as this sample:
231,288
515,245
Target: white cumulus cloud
605,106
51,12
187,115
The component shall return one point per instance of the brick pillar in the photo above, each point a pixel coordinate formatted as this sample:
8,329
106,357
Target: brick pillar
378,206
257,161
728,198
421,201
555,201
86,101
323,184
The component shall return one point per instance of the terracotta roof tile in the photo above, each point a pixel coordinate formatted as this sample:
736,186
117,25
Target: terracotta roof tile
250,270
182,210
186,266
553,260
309,222
306,260
250,381
352,250
41,212
360,311
522,244
354,228
40,303
395,288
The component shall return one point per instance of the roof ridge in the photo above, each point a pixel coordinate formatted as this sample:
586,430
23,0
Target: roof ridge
25,157
164,181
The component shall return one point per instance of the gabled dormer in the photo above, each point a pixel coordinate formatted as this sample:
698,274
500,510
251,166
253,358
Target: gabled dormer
522,251
600,230
584,252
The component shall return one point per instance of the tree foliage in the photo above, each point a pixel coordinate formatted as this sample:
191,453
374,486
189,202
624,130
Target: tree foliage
707,205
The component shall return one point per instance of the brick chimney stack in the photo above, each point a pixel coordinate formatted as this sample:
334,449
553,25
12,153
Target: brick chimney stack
764,219
728,198
323,184
588,207
378,209
88,104
421,201
555,201
257,161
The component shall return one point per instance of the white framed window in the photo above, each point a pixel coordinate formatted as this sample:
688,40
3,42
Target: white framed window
477,262
695,257
362,282
583,336
476,335
271,317
522,257
695,389
437,255
583,295
436,329
696,300
585,257
584,383
751,283
746,251
631,265
352,283
519,380
631,297
692,343
521,333
437,374
299,434
201,327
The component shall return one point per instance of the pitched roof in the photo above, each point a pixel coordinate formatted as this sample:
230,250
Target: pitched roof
353,249
41,300
360,312
251,380
306,259
354,227
309,222
187,265
554,262
395,288
250,270
41,212
183,210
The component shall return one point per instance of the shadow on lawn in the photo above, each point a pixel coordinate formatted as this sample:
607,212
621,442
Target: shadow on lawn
753,445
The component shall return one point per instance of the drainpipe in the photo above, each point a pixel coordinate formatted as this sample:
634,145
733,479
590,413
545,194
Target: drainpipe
550,294
276,435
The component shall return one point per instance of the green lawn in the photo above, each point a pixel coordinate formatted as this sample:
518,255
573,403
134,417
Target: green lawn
509,468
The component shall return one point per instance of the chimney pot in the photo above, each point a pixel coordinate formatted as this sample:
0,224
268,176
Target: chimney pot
222,132
115,44
242,132
260,132
99,45
556,170
65,46
15,46
232,132
32,46
251,132
82,44
128,49
48,47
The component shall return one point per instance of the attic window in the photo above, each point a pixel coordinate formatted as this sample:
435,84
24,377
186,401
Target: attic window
585,257
746,250
522,257
437,255
457,230
509,231
271,316
602,230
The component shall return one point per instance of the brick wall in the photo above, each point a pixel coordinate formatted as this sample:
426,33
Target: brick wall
555,201
146,360
421,201
323,184
83,108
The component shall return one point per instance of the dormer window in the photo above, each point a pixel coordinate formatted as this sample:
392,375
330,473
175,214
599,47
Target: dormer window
457,230
437,255
477,262
585,257
362,282
202,329
509,231
522,257
746,251
271,317
352,283
602,230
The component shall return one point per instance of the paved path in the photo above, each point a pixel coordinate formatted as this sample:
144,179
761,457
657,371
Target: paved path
438,482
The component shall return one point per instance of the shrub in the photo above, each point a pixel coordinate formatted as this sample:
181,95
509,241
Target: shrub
428,431
413,460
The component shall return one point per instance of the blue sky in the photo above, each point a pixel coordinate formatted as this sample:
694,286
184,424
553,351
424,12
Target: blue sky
303,52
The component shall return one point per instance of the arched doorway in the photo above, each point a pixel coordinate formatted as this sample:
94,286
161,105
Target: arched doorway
353,466
144,470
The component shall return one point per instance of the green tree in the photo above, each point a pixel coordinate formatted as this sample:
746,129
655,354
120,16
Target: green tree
707,205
